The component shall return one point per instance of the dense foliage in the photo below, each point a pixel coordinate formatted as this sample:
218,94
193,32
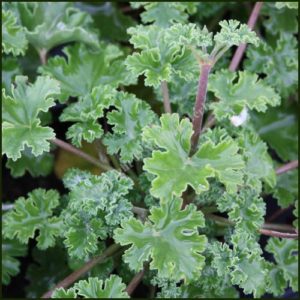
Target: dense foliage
127,184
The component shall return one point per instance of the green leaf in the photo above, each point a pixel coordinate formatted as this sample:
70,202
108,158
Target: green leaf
10,264
285,252
295,213
32,214
10,68
161,57
164,14
59,20
170,239
93,288
278,63
36,165
175,170
276,283
292,5
13,35
233,33
248,92
86,112
128,121
279,127
101,67
20,122
259,165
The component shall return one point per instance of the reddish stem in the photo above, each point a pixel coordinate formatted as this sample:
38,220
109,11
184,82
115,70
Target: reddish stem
199,106
242,47
135,282
165,92
287,167
279,234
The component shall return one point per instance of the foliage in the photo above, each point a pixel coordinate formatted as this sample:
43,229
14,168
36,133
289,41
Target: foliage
151,168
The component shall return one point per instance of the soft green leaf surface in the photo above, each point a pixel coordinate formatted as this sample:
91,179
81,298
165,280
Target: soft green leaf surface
285,252
292,5
36,165
20,122
278,63
52,24
276,283
10,264
10,68
32,214
279,128
13,35
170,239
128,121
249,92
175,170
101,67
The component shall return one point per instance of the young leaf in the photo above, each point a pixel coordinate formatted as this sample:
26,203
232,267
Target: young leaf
164,14
234,97
13,35
34,213
101,67
59,20
20,122
171,239
10,264
131,116
175,170
93,288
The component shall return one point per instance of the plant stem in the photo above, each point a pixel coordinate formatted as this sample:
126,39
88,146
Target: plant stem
279,234
242,47
209,122
142,212
289,166
277,213
199,106
89,265
166,97
135,282
80,153
43,56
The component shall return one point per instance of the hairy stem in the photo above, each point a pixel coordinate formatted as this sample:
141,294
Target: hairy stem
289,166
242,47
166,97
80,153
199,106
135,282
279,234
89,265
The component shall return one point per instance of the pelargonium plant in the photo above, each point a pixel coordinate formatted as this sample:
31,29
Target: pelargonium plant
149,149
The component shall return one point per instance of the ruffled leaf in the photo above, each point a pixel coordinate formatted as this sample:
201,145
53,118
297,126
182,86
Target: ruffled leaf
59,20
32,214
10,68
128,121
10,264
164,14
234,97
13,35
285,252
93,288
20,121
292,5
101,67
175,170
171,239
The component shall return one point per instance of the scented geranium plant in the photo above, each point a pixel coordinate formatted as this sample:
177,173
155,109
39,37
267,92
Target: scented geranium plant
149,149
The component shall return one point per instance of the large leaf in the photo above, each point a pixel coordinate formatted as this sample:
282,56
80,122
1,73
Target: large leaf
32,214
13,35
104,66
20,122
170,238
175,170
234,97
94,288
49,24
